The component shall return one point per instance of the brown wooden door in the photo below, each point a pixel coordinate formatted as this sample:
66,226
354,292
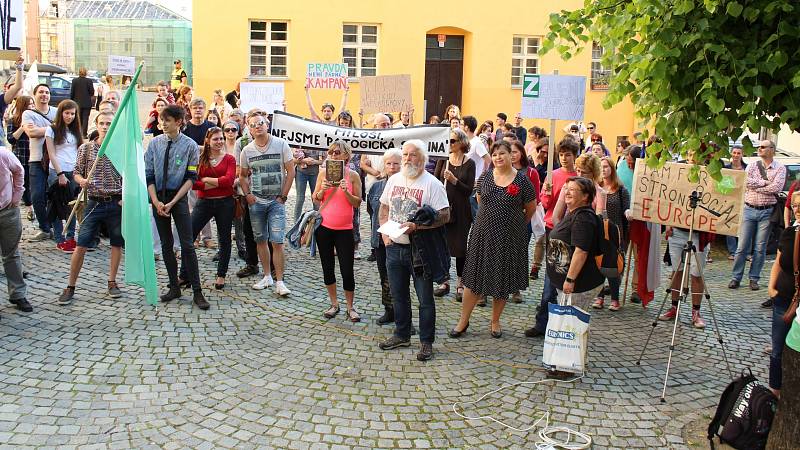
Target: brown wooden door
443,74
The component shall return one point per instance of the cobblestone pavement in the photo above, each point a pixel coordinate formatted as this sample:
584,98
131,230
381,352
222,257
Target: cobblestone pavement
256,371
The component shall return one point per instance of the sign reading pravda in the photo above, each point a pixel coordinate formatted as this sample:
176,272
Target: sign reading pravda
326,76
662,196
300,132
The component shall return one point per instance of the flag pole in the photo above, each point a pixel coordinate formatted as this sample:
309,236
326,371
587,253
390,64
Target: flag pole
125,99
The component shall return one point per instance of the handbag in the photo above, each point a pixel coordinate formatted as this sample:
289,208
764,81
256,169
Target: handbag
566,339
238,207
791,311
313,222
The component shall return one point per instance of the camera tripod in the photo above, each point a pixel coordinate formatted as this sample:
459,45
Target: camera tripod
688,254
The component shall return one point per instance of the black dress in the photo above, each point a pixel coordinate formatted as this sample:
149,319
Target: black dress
497,253
460,210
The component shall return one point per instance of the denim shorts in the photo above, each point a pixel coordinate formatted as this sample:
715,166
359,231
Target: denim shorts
97,213
268,220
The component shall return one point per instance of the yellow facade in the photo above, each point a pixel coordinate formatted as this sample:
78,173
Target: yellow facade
221,51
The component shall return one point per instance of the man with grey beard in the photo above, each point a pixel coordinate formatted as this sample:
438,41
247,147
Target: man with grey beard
405,194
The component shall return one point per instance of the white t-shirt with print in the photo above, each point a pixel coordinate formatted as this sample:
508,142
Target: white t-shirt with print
267,167
66,152
405,196
477,150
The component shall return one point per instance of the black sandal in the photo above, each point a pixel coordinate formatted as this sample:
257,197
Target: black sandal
331,312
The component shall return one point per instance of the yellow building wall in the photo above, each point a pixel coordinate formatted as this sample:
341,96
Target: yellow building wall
220,35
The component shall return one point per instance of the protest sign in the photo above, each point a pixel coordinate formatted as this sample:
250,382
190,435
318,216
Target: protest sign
11,32
326,76
385,93
121,65
262,95
556,97
662,196
300,132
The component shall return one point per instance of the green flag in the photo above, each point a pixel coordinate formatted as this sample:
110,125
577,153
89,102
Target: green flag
123,147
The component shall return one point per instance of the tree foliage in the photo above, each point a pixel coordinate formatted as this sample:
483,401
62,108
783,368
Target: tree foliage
696,70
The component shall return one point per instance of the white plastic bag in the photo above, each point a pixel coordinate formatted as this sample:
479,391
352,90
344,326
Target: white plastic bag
566,339
537,221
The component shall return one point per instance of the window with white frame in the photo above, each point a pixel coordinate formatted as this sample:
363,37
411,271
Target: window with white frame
360,49
600,75
269,42
524,58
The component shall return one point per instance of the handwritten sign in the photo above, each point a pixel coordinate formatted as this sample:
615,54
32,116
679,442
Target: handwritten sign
662,196
558,97
326,76
386,93
300,132
266,96
11,32
121,65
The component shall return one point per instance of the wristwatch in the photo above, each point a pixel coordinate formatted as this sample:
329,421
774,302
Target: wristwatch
569,280
283,197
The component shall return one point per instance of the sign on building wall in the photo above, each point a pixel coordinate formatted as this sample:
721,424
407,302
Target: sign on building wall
662,196
557,97
307,133
121,65
266,96
11,32
326,76
385,93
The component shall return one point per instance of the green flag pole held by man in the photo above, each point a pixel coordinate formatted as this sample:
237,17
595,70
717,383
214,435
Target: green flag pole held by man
123,147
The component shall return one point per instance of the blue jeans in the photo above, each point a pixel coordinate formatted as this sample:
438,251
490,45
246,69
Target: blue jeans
549,295
58,227
38,184
268,220
779,332
300,181
473,203
755,226
400,268
613,288
732,242
98,213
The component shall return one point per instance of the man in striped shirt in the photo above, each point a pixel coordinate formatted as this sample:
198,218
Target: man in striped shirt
765,179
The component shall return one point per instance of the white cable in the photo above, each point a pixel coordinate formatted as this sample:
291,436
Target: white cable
546,442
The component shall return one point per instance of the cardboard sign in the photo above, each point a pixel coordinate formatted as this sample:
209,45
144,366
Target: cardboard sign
557,97
300,132
11,29
662,196
262,95
121,65
326,76
386,93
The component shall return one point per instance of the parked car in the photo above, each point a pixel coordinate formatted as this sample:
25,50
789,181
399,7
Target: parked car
59,84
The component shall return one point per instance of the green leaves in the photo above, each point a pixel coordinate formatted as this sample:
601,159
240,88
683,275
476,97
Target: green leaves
701,71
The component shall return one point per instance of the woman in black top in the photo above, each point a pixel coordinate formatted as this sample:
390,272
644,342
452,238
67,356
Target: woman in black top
781,290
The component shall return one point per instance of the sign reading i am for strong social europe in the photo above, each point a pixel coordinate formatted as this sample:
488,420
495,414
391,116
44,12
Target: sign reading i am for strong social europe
326,76
556,97
662,196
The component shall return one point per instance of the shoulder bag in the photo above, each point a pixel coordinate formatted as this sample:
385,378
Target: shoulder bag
313,223
777,211
791,311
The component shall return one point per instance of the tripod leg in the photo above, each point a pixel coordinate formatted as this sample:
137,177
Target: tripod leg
718,334
683,290
655,322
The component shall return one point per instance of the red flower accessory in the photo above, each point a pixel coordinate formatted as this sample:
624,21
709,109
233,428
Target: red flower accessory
512,189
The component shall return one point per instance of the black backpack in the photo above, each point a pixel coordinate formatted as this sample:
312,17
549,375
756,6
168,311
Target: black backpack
608,252
744,414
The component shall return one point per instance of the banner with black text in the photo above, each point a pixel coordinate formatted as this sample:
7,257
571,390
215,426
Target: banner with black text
300,132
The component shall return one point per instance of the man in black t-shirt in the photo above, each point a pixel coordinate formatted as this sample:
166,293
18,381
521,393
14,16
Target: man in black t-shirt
197,126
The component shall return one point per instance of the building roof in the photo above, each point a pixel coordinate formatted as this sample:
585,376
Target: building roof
119,9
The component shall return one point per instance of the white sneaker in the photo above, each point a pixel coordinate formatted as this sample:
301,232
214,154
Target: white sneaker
281,289
39,236
264,283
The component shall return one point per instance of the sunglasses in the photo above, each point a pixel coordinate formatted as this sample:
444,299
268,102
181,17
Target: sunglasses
453,141
765,146
229,130
334,152
590,128
255,125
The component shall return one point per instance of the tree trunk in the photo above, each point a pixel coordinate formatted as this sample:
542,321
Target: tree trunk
785,433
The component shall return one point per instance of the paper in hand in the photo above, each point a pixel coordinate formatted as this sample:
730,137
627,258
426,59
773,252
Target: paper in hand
392,229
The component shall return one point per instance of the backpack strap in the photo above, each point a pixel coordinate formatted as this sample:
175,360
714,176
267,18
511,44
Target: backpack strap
796,261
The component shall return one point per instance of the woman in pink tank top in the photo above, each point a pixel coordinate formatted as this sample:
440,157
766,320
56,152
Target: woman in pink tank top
334,236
